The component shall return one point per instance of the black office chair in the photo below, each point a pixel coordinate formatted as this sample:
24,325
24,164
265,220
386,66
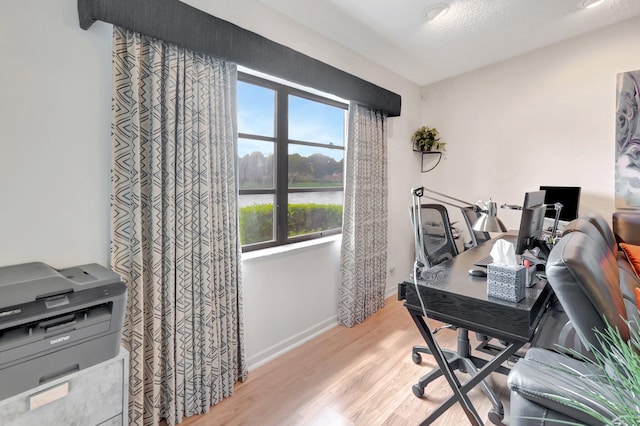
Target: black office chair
470,216
438,246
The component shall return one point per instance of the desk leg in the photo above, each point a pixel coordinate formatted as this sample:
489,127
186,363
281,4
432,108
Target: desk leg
488,368
458,393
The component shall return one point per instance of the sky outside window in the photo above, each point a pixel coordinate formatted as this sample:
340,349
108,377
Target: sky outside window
256,112
312,121
309,121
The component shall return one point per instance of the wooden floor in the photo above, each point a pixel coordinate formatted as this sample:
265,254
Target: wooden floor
357,376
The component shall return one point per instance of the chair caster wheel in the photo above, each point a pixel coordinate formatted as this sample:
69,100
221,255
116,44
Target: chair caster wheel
416,357
495,417
417,391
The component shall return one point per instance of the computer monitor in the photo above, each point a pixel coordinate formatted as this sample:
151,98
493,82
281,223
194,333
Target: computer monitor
568,196
531,222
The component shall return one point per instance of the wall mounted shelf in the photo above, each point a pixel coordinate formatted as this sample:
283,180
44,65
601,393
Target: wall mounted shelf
433,159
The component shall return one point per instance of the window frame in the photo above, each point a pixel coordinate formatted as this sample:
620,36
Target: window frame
281,142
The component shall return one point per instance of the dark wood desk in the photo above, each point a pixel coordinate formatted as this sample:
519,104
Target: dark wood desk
452,296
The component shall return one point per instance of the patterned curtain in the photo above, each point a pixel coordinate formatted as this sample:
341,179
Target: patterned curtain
174,226
363,264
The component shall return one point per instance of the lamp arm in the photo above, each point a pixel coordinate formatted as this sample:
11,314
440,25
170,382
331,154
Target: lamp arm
448,199
418,237
558,209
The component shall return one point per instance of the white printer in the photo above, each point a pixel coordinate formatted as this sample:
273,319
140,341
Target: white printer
54,322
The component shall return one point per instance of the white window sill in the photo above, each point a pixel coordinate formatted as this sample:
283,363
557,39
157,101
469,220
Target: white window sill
289,248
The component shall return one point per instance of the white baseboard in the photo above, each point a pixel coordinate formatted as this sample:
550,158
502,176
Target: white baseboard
391,292
290,343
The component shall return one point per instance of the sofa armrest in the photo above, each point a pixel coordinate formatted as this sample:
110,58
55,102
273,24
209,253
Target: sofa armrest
626,226
544,374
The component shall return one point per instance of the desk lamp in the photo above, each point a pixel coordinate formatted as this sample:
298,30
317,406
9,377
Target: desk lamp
556,206
478,228
488,220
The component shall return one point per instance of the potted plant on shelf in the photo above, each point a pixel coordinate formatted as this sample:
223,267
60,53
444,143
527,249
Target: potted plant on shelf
427,139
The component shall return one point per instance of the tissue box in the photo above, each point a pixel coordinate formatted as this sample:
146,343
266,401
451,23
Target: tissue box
506,282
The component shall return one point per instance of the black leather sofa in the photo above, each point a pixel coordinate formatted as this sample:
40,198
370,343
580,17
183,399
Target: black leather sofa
595,284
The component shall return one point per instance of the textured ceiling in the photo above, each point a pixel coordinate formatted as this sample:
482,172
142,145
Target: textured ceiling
473,34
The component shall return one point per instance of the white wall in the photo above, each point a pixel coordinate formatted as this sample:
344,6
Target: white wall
55,159
545,118
54,135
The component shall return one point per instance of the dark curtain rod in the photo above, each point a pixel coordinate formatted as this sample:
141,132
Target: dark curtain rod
188,27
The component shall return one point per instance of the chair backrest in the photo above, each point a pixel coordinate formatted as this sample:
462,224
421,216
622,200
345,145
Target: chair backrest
586,281
582,224
601,233
438,243
470,217
605,229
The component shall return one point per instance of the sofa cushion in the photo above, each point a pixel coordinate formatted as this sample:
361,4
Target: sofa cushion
525,412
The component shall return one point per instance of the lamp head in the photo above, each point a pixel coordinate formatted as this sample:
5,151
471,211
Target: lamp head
488,220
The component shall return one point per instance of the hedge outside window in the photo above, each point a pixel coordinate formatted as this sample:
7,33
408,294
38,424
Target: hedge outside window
290,154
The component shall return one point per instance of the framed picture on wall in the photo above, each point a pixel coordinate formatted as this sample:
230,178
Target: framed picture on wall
627,156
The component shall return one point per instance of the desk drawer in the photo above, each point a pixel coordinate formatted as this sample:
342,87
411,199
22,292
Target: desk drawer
511,321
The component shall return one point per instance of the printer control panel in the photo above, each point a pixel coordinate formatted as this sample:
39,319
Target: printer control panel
46,307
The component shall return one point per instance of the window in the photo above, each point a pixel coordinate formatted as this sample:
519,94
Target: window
290,163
